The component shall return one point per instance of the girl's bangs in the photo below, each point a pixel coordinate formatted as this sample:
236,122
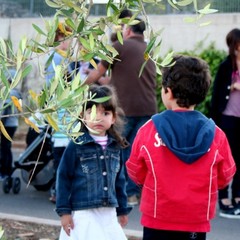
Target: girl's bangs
107,105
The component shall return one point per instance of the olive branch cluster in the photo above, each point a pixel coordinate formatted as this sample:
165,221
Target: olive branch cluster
90,38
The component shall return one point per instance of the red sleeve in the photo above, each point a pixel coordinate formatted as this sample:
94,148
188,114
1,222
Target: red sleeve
136,166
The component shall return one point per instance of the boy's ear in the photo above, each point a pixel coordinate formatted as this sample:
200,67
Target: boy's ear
169,93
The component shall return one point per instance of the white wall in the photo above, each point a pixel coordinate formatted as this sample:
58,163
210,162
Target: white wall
180,36
177,34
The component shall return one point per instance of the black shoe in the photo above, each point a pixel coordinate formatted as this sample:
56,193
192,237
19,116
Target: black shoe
236,204
229,211
232,213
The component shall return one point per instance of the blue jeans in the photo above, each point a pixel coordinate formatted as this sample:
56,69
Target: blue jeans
130,131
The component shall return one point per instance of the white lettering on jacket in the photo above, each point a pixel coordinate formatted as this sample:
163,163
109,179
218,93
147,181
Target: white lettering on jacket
159,142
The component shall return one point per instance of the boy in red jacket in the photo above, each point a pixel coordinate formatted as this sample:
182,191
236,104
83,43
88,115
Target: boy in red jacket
180,158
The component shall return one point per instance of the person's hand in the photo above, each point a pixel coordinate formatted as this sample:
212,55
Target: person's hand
123,220
235,86
67,223
104,80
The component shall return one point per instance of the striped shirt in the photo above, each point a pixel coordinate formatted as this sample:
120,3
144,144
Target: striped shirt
102,140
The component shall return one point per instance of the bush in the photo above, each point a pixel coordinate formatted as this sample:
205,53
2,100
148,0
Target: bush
213,57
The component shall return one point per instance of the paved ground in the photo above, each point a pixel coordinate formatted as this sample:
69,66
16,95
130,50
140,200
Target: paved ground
34,205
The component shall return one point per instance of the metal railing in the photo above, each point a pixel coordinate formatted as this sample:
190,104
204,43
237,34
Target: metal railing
37,8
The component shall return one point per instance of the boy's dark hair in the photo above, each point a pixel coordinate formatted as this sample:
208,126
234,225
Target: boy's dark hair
140,27
189,80
100,91
233,41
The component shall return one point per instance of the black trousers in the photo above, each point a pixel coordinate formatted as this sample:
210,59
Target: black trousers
156,234
231,126
6,152
57,154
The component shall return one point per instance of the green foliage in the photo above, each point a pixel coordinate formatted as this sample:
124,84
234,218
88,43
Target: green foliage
2,233
213,57
89,39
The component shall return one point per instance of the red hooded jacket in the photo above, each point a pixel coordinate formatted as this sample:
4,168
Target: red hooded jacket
180,159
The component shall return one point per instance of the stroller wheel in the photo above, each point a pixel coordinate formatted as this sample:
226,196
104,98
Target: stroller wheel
7,184
16,185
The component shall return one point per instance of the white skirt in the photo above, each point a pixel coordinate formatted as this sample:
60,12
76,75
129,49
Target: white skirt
97,223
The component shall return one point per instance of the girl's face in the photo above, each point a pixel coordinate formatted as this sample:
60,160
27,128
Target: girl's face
102,121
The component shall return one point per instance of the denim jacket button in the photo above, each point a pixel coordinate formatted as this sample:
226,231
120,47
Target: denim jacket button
104,173
101,157
105,188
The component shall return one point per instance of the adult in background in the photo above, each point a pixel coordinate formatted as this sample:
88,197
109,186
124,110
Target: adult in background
125,13
57,55
226,113
60,139
10,123
137,94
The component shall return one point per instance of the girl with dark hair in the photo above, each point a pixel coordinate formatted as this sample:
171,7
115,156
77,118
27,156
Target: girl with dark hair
226,113
91,183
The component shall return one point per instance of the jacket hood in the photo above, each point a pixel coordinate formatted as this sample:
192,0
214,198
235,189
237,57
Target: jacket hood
188,134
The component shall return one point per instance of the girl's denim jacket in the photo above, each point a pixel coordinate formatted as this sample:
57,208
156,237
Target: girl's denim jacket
90,177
